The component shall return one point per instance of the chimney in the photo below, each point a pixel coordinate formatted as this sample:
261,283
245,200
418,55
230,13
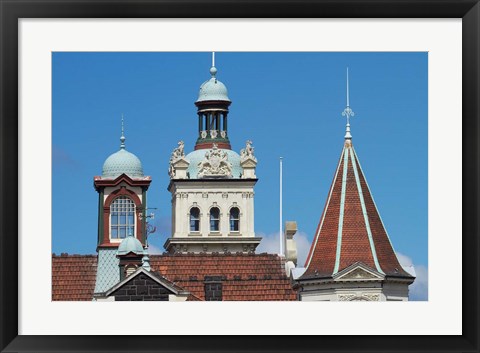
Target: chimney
290,246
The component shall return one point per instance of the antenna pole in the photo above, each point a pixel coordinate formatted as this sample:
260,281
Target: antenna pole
281,206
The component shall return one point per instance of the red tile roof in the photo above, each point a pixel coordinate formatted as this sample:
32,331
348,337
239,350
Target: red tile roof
243,277
354,243
73,277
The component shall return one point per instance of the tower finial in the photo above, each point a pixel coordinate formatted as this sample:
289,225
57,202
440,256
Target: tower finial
348,100
348,112
213,69
122,138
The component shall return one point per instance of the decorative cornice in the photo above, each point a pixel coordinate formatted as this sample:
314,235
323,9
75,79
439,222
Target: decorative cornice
100,182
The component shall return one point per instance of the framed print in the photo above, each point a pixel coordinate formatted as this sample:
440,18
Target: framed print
279,80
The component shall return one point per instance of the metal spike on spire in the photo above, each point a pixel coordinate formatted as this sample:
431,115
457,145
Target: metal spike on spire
213,69
122,138
280,252
348,112
348,100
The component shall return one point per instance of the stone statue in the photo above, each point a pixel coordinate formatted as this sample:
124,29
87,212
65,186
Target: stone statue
247,152
177,153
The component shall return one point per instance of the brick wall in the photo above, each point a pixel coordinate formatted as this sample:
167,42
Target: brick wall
141,288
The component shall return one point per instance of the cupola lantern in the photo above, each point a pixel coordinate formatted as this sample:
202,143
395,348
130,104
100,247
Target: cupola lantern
212,105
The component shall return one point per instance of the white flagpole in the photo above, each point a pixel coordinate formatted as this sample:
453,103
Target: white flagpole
281,223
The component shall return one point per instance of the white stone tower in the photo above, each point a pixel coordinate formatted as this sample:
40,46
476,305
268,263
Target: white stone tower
212,187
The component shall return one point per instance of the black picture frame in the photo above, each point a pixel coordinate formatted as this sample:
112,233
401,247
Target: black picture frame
11,11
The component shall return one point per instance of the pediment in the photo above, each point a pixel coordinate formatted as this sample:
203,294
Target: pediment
358,272
248,162
149,276
181,162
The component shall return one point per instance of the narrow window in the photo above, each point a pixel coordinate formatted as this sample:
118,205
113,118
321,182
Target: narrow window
122,218
213,288
194,219
214,219
234,219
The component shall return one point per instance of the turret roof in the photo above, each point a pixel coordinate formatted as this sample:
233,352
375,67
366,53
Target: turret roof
350,228
213,89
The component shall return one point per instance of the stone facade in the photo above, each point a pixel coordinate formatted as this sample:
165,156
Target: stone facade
206,194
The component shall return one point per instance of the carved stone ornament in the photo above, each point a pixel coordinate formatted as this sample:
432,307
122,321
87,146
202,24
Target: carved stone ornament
215,164
213,134
363,297
346,297
247,152
223,134
358,274
372,297
203,134
177,154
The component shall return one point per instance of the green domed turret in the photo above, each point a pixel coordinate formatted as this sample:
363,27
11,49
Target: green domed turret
130,244
213,89
122,162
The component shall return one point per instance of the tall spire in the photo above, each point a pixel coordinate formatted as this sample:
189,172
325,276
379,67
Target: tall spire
122,138
347,112
350,229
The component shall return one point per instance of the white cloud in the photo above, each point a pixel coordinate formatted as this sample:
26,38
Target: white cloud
270,244
153,250
419,288
404,260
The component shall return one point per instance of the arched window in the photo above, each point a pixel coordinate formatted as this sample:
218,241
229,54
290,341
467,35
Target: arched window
194,219
214,219
234,219
122,218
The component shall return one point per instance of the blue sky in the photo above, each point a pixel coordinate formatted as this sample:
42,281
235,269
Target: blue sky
288,104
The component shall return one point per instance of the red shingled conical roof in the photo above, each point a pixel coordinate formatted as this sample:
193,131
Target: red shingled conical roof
350,229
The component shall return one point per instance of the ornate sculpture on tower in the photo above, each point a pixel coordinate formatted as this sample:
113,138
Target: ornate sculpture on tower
178,163
247,152
215,164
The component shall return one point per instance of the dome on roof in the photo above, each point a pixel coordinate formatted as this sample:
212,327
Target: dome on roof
122,162
213,89
130,244
197,156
